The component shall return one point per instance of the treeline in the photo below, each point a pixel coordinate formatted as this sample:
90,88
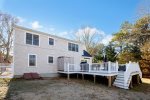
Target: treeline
130,43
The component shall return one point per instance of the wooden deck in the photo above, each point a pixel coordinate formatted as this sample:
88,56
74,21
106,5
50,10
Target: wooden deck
110,76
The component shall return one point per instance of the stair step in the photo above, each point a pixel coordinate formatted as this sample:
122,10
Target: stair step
121,86
120,78
119,81
120,72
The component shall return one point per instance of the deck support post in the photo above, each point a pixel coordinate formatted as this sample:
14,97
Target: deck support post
94,78
68,76
82,76
138,79
109,81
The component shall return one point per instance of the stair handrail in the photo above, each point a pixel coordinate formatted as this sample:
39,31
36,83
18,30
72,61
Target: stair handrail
131,67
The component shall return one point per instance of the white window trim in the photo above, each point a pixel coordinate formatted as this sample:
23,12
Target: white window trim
48,59
53,41
35,61
32,39
71,47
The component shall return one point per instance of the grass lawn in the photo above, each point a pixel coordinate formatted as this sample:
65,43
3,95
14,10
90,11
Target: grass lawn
61,89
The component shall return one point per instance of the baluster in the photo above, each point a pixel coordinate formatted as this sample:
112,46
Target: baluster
68,67
89,67
109,67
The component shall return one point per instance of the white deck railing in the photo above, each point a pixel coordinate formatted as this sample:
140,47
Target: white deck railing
6,71
107,67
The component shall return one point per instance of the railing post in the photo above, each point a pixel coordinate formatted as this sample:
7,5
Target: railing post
109,67
117,66
89,67
81,67
68,67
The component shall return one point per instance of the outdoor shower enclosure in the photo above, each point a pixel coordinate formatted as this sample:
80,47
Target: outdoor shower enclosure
63,62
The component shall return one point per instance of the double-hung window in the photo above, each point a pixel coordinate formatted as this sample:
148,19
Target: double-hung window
51,41
32,39
73,47
50,59
32,60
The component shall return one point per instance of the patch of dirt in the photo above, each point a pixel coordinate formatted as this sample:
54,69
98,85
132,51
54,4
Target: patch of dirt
62,89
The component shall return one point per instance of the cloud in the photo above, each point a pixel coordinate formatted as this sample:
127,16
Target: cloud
99,35
96,35
63,33
106,39
66,34
21,20
52,29
47,29
90,30
36,25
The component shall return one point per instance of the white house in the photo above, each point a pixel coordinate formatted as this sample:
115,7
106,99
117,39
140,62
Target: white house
36,51
48,55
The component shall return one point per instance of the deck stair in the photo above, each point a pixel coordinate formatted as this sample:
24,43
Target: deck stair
123,78
119,81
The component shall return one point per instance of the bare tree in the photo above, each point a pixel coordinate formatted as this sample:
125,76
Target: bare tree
90,37
6,33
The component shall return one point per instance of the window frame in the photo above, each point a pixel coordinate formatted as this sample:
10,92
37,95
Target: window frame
29,60
26,38
48,59
53,41
32,39
35,39
73,47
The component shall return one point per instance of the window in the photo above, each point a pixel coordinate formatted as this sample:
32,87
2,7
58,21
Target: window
76,48
73,47
32,60
69,46
28,38
51,41
35,40
50,59
32,39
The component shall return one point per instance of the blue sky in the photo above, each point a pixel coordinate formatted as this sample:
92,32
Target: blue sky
66,16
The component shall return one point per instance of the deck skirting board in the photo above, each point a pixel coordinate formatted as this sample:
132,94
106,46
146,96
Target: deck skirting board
90,73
